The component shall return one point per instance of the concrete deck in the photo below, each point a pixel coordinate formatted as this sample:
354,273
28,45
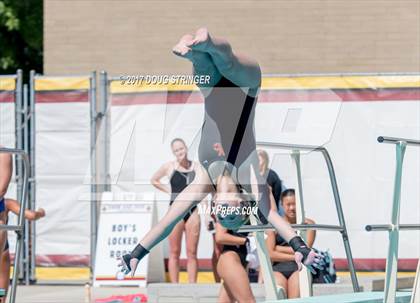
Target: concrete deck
177,293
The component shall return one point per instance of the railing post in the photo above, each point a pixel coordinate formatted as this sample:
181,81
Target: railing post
18,124
93,171
32,174
26,253
341,220
105,146
305,277
300,206
270,286
19,111
392,259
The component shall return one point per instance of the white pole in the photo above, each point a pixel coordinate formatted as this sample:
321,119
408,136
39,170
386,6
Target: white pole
392,259
305,277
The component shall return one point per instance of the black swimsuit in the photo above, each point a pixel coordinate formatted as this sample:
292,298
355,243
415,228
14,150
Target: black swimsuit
229,121
239,249
179,181
6,244
287,268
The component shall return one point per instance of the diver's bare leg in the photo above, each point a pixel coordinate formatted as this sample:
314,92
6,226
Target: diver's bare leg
196,191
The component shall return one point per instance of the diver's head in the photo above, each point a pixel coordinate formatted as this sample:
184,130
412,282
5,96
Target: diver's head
230,203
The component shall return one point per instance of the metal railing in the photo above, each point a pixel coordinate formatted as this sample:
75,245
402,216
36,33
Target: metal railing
19,228
296,148
395,226
32,178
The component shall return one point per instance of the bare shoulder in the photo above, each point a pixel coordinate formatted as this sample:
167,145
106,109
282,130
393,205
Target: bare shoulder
309,221
270,233
169,167
5,157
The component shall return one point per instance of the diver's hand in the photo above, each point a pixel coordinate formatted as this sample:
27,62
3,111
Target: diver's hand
219,149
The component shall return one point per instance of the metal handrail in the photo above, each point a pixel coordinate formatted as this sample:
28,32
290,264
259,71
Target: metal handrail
14,76
93,170
393,140
252,228
18,228
32,177
41,76
342,224
291,146
11,227
394,228
389,227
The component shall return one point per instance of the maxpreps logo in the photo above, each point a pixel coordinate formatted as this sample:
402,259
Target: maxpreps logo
225,210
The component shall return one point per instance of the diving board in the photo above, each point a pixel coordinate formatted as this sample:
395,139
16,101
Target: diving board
359,297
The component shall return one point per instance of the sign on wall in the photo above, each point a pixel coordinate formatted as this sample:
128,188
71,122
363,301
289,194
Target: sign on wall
124,220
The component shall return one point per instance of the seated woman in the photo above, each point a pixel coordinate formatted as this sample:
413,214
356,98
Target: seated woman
232,264
227,144
282,255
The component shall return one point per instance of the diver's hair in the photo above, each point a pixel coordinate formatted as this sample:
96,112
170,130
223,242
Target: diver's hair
287,193
263,154
178,140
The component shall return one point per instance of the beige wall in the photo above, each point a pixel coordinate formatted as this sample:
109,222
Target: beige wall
312,36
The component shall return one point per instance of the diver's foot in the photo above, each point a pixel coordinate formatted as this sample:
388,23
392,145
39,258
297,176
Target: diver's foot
182,49
201,41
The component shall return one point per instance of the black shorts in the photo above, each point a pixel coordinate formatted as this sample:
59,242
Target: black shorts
286,268
188,214
240,250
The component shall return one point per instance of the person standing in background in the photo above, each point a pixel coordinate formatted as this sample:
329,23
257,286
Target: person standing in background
273,180
31,215
6,169
180,173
